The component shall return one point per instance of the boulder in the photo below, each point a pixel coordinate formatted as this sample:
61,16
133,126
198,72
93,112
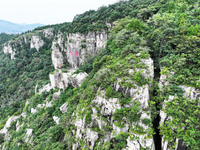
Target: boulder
29,133
33,111
19,126
63,108
48,104
60,79
8,124
45,88
56,95
56,119
77,79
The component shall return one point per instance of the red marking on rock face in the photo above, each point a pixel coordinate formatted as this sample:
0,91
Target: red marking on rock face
71,52
77,53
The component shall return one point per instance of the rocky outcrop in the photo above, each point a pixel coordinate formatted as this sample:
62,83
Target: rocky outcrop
33,40
190,92
77,79
149,72
40,106
48,104
63,108
91,137
56,95
107,107
45,88
18,126
36,42
57,56
23,114
87,46
142,141
8,49
59,79
7,126
29,133
48,33
33,111
12,46
56,119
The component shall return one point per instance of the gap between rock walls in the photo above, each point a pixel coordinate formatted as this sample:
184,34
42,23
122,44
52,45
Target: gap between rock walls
155,96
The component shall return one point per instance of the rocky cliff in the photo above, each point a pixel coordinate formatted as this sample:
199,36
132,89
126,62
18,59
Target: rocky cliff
31,41
87,45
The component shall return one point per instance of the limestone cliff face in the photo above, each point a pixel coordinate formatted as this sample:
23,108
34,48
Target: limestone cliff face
29,40
8,49
69,48
48,33
65,47
36,42
74,49
12,46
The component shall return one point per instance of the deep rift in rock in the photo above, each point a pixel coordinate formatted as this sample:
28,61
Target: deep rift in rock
156,120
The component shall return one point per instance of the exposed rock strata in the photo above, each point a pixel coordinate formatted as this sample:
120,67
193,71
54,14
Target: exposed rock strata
87,46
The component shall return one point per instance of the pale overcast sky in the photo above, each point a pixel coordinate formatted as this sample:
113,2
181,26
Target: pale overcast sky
46,11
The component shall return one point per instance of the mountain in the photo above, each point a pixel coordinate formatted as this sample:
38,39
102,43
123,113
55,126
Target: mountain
12,28
133,85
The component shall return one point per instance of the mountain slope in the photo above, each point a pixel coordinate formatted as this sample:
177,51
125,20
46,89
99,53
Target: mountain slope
135,83
12,28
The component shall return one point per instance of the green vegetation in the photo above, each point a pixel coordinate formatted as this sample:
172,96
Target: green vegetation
186,125
166,31
18,77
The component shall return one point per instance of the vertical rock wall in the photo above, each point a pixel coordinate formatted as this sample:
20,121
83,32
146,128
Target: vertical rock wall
67,45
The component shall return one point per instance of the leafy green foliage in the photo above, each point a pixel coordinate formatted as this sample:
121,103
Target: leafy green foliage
132,114
88,118
18,77
119,142
194,30
183,125
135,25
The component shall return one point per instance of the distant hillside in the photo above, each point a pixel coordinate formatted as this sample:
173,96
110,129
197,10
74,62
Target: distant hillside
12,28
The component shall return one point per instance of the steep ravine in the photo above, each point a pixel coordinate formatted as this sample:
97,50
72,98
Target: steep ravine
155,94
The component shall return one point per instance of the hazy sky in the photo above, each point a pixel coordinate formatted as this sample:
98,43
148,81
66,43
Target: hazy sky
46,11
